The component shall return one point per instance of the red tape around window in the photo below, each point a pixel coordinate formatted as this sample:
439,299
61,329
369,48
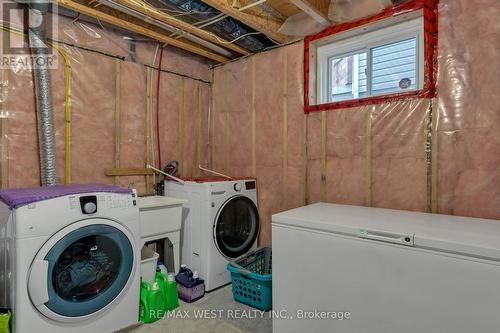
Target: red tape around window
430,13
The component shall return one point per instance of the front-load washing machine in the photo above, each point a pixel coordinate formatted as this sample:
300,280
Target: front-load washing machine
220,223
70,258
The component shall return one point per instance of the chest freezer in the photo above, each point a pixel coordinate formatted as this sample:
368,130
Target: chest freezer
350,269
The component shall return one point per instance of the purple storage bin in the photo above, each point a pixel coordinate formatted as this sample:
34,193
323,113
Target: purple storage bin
192,294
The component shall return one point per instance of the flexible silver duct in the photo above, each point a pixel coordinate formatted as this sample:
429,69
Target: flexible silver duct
45,110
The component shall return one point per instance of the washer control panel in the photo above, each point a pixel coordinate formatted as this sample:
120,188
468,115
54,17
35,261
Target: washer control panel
119,201
92,204
88,204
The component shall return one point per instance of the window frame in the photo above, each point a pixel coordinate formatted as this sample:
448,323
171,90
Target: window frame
367,42
400,24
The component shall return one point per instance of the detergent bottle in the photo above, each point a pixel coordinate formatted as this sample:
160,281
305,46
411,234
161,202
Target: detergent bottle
162,267
5,315
171,294
161,279
152,302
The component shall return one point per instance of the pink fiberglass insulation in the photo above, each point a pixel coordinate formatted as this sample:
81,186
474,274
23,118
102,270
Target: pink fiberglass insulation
92,119
190,130
314,157
313,181
22,124
141,51
92,108
398,155
183,122
469,109
219,125
269,137
232,115
394,174
58,98
22,139
346,156
171,93
174,59
186,63
238,111
295,163
205,154
132,122
92,36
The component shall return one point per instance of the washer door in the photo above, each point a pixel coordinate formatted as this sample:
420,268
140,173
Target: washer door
236,227
81,270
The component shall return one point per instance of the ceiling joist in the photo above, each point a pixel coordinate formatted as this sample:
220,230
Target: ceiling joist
264,24
312,11
186,27
129,23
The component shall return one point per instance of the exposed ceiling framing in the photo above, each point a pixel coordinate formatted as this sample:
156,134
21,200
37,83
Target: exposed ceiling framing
121,20
141,17
263,23
168,19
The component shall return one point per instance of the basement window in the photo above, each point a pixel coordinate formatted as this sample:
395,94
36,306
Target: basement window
373,62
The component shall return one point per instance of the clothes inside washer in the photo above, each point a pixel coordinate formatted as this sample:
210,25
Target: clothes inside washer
86,268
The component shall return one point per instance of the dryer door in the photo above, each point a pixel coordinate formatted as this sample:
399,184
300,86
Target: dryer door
82,270
236,226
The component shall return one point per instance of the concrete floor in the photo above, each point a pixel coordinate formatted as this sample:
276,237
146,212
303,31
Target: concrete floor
216,312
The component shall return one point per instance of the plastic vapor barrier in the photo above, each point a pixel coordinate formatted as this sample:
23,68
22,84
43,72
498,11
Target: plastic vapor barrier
468,127
440,155
101,123
258,130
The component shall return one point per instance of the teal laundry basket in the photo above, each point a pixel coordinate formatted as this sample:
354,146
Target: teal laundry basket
252,277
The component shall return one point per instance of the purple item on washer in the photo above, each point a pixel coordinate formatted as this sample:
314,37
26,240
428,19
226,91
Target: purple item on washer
22,196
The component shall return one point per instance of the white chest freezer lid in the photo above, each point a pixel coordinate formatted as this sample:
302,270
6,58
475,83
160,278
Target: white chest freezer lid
455,234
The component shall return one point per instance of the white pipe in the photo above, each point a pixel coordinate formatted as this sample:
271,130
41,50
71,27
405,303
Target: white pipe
214,172
250,5
217,19
165,174
204,23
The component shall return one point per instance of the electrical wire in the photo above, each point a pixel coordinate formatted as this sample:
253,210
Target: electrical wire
238,38
180,12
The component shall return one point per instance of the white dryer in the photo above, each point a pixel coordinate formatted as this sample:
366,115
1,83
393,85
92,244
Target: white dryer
70,258
220,223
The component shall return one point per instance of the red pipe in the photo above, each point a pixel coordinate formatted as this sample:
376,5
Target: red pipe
158,111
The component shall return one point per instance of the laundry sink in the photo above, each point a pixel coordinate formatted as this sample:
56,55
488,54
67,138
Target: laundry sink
159,215
161,219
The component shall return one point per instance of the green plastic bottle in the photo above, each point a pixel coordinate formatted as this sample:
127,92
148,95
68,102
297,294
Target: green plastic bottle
161,279
171,294
4,320
169,287
152,302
